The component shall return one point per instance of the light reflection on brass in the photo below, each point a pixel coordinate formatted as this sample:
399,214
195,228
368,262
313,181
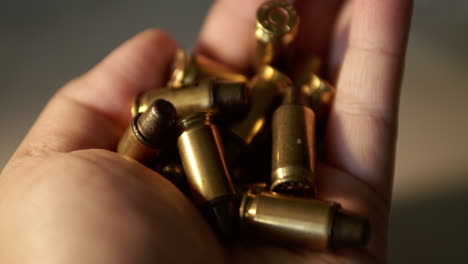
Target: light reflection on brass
306,223
229,98
190,68
276,27
184,70
210,69
147,133
320,95
293,153
209,181
266,89
318,92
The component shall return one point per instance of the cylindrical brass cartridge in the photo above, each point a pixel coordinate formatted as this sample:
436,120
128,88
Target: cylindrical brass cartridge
277,24
184,70
189,68
145,136
318,92
229,98
293,156
210,69
209,181
306,223
266,88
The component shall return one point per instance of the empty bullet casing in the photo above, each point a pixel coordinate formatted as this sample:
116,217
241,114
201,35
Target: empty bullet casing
209,181
276,27
293,157
189,68
307,223
145,136
229,98
266,88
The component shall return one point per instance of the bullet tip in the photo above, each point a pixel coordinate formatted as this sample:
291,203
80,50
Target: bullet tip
231,97
349,231
156,121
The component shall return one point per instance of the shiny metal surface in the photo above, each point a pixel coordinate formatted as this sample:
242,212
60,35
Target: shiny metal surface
189,68
203,159
184,70
276,27
293,221
210,184
436,36
210,69
145,136
319,93
204,96
266,89
288,220
293,154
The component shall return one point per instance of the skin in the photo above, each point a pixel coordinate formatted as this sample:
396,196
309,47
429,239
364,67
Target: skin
65,197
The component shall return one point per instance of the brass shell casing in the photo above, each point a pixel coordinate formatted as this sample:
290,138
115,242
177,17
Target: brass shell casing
266,88
210,69
184,70
144,137
202,157
318,92
276,27
293,156
229,98
189,68
134,146
306,223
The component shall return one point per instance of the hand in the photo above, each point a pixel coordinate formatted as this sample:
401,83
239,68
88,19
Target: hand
65,198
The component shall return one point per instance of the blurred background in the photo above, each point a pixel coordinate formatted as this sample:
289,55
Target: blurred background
45,43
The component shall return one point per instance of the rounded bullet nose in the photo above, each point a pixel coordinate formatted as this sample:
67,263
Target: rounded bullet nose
277,17
231,97
164,110
349,231
156,121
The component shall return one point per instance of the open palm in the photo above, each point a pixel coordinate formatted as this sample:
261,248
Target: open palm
65,198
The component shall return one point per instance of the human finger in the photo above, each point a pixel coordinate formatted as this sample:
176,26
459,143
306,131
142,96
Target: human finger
92,110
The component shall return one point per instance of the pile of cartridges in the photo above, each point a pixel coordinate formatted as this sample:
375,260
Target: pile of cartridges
243,149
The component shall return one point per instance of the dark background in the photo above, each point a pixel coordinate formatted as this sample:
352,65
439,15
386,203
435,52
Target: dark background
45,43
